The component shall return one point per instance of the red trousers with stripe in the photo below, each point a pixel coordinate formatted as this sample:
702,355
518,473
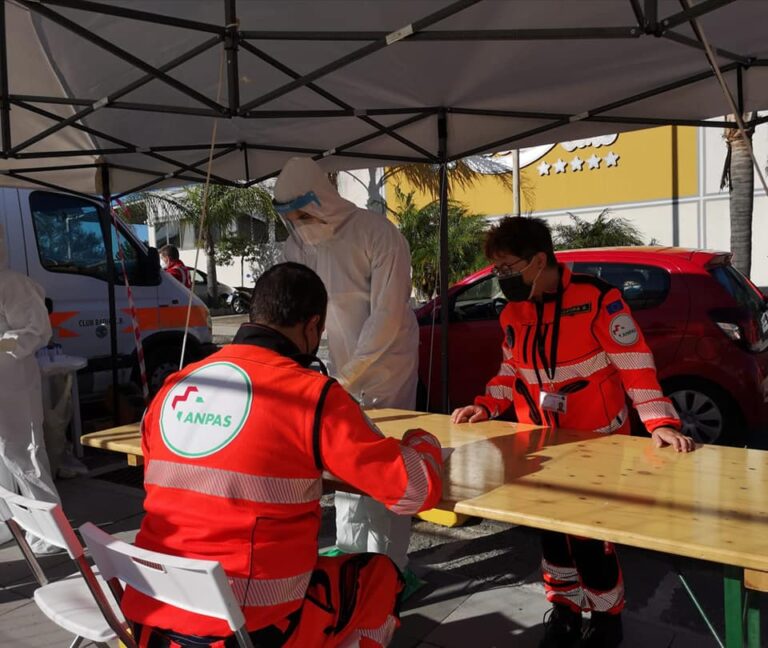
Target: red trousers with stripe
581,573
352,600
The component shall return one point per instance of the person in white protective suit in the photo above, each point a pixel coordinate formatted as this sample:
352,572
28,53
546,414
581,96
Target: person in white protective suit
24,328
365,264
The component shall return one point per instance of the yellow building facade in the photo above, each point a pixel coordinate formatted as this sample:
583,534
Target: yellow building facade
628,168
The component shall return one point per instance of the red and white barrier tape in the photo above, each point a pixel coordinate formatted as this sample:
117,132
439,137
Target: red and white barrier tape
131,305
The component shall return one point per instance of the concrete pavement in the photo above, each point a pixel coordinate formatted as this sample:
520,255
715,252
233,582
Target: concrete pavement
482,590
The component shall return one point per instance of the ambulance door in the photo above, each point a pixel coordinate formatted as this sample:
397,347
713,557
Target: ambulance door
66,253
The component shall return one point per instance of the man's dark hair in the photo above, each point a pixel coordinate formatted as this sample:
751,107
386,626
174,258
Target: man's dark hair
288,294
171,251
522,236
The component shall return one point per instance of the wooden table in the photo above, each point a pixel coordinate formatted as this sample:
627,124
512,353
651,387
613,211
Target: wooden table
711,504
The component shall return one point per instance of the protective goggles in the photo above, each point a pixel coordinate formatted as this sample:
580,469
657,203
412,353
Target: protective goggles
296,203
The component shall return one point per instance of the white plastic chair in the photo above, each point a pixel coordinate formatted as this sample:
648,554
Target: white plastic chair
77,603
199,586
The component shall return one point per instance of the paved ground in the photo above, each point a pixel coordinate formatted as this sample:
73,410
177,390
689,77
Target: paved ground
482,584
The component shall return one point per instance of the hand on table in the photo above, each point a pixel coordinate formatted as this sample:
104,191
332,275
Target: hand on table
664,436
470,413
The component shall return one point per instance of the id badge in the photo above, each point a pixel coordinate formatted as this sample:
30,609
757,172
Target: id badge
552,402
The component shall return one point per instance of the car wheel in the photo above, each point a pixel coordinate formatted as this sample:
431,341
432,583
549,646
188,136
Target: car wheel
161,364
240,306
707,415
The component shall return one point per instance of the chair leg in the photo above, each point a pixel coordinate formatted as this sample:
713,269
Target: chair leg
76,643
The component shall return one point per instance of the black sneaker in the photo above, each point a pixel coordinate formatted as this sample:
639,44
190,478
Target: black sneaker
602,631
562,627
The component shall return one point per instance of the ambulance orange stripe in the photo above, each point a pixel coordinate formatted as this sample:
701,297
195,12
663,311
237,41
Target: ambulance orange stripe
169,317
57,319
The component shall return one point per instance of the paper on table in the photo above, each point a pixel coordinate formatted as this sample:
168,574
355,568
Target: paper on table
446,452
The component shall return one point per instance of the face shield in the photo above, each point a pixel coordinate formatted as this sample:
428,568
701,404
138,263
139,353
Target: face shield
308,232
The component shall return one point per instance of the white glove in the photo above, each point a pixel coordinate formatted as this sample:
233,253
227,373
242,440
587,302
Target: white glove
7,345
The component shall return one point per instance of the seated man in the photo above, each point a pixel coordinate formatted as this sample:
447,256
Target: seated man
174,266
235,447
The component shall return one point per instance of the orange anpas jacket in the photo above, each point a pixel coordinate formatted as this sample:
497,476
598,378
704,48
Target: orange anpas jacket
600,355
235,447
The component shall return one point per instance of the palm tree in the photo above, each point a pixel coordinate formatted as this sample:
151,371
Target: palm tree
740,180
603,232
224,205
421,228
462,174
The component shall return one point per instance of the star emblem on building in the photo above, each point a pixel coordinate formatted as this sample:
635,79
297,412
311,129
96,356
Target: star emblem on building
611,159
544,168
577,163
594,162
560,166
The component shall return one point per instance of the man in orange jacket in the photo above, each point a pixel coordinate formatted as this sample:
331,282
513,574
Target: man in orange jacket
235,447
572,352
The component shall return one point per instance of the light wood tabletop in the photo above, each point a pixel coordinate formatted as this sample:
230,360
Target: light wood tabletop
125,439
711,504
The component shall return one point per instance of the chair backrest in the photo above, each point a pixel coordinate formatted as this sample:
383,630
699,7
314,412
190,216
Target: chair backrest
199,586
42,519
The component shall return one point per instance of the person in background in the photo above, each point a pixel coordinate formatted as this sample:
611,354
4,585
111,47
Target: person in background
572,353
24,328
235,448
365,263
174,266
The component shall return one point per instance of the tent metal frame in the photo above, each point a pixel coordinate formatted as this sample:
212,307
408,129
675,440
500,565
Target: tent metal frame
237,43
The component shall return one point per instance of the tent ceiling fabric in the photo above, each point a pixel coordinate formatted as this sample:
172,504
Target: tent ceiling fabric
136,82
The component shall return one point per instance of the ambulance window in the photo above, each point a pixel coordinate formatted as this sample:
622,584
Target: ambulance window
70,240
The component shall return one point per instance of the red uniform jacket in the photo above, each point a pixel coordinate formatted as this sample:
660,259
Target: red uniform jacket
235,447
599,357
180,272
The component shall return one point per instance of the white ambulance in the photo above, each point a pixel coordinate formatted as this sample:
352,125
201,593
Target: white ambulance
57,240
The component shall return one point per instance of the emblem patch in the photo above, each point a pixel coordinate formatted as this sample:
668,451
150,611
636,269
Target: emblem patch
614,307
206,410
624,330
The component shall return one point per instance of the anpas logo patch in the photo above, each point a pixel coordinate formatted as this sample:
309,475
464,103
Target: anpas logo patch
623,330
206,410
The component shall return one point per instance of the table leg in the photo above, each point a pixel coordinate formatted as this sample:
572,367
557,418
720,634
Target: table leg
77,423
734,621
753,619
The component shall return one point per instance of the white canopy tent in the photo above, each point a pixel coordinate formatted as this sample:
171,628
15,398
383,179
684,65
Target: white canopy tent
114,96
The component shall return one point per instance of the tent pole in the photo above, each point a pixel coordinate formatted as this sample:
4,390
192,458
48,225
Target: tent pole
516,181
231,41
442,152
5,105
106,226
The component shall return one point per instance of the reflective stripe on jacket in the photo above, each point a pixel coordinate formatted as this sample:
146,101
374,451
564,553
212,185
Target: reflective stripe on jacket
235,447
601,357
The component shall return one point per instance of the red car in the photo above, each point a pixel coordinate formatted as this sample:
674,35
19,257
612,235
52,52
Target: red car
706,324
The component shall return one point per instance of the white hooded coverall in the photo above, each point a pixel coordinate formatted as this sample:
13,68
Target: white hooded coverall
365,264
24,328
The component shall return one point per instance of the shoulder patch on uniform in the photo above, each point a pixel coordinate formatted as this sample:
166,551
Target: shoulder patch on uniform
614,307
509,336
623,330
575,310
